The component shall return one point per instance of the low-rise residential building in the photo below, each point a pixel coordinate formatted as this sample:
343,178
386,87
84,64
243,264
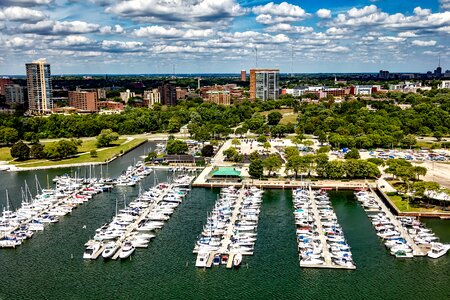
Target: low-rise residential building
219,97
445,84
110,105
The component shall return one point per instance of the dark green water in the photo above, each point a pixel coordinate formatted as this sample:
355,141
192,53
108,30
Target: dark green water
43,268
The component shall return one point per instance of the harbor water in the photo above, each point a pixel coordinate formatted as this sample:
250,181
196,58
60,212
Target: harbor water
50,265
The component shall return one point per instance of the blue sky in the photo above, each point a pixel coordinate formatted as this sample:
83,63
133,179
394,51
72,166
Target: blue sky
221,36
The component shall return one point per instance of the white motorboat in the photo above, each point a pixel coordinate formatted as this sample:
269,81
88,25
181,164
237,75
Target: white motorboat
202,259
110,249
127,250
91,249
237,259
438,250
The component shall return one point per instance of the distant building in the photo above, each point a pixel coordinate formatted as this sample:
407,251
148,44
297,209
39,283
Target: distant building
363,90
219,97
125,96
110,105
3,83
83,100
14,94
151,97
39,84
264,84
383,74
168,94
243,75
181,93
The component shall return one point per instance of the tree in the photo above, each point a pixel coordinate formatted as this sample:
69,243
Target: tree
296,164
321,161
273,163
31,137
261,139
60,149
202,134
323,149
321,137
278,130
419,171
106,137
376,161
438,135
176,147
20,151
334,169
93,153
208,151
37,151
256,168
230,153
174,125
290,151
352,154
420,187
254,155
151,156
274,118
235,142
8,135
409,140
308,144
240,131
266,146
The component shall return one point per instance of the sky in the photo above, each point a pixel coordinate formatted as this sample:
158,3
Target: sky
224,36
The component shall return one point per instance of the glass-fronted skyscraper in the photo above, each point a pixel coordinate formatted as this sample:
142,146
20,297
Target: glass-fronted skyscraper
264,84
39,85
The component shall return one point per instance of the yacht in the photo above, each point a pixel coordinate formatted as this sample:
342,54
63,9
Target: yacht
438,250
237,259
110,249
91,249
202,259
127,250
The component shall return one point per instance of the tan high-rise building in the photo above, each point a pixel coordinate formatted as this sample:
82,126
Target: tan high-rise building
39,84
264,84
219,97
83,100
243,75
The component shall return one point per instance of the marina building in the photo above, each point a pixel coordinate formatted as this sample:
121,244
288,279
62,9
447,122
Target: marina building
264,84
39,84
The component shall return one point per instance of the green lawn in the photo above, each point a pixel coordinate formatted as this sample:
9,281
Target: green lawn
281,111
102,155
403,205
91,144
289,119
5,153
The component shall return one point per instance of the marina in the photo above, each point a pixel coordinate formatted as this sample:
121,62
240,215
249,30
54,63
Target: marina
321,242
50,204
231,229
136,224
401,242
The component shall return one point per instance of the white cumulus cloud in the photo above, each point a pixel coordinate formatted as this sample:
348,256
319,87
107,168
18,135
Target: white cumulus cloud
423,43
21,14
324,13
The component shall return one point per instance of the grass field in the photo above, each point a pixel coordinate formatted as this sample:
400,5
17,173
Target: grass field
102,155
403,205
288,115
5,153
282,111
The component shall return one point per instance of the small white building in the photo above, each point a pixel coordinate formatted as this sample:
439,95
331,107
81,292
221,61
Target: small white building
445,84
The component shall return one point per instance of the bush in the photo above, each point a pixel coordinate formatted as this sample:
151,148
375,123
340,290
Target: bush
93,153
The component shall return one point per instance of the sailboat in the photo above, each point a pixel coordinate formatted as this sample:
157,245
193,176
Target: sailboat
237,259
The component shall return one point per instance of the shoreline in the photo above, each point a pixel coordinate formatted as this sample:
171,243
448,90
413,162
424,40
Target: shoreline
13,168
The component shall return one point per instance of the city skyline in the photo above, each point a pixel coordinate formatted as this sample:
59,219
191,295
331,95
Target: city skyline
204,36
